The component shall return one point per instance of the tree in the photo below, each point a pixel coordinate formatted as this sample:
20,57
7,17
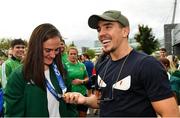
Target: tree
72,44
147,41
91,53
5,45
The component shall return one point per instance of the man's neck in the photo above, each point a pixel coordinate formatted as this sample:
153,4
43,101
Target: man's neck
118,54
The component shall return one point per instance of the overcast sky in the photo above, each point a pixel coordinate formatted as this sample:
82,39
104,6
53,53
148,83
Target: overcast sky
18,18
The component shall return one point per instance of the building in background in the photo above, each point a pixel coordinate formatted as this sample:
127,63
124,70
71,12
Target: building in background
169,40
97,47
176,39
172,34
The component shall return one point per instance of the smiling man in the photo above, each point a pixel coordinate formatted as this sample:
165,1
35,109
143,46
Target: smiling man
17,54
132,83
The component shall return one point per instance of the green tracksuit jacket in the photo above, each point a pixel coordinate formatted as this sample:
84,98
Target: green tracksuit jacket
23,99
10,65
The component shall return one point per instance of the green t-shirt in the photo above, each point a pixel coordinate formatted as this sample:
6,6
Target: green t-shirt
76,71
25,99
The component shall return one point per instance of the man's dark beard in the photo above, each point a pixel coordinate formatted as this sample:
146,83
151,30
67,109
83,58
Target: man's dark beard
108,52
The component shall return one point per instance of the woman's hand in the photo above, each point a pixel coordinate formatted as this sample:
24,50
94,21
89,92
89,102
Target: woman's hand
77,81
74,98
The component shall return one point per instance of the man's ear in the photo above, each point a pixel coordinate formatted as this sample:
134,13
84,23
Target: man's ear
126,31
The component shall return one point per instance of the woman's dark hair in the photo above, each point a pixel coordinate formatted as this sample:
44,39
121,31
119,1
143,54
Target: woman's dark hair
34,61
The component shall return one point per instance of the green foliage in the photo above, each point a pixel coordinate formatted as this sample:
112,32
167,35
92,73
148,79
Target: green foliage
5,45
147,41
91,53
72,44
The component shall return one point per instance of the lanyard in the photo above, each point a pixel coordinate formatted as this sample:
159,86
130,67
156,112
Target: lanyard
60,82
53,92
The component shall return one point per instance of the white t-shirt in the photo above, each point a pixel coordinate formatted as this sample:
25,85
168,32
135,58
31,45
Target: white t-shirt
53,104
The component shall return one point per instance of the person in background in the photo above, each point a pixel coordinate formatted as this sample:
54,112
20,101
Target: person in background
162,52
175,76
35,89
77,76
166,63
175,85
64,54
15,56
94,60
89,67
132,84
173,63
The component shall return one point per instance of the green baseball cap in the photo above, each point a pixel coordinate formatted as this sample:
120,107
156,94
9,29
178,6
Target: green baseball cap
111,15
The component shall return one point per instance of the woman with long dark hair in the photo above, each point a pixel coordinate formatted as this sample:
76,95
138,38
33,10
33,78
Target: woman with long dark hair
37,87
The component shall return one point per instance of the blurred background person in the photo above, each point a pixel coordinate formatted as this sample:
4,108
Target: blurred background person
94,60
77,76
15,56
64,54
162,52
89,67
166,63
35,89
173,63
175,85
90,84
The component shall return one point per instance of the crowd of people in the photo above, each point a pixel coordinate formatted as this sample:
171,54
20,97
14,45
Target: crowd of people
171,64
50,80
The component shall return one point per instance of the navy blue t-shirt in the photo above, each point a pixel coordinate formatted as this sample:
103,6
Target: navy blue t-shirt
142,80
